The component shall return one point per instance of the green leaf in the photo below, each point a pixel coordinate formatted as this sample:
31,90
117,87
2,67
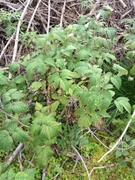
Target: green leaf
38,106
133,163
64,84
25,120
50,129
19,79
16,94
12,94
46,126
16,107
121,71
82,54
118,153
103,13
3,79
122,102
84,121
22,176
42,155
60,63
30,173
111,33
107,56
132,70
8,175
67,74
49,61
128,138
35,86
63,100
10,125
54,106
6,98
20,136
116,80
6,142
14,67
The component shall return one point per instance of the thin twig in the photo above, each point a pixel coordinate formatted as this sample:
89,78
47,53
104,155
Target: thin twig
12,157
13,118
82,162
123,4
44,173
120,138
90,131
18,30
102,167
62,13
9,5
4,49
49,14
33,15
126,13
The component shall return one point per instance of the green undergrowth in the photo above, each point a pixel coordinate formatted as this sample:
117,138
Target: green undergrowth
70,81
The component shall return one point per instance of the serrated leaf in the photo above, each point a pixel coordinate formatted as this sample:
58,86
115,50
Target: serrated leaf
20,135
132,70
25,120
105,100
31,173
50,129
14,67
111,33
133,142
6,142
35,86
63,100
16,107
12,94
19,79
21,176
49,61
54,106
38,106
60,63
10,125
42,155
3,79
121,71
84,121
123,102
67,74
116,80
8,175
118,153
133,163
6,98
17,95
82,54
64,84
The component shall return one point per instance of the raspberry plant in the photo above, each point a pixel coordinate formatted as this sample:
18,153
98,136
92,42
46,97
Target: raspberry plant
70,77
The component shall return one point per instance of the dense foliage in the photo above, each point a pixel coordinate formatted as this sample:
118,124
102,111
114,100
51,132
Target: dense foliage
71,80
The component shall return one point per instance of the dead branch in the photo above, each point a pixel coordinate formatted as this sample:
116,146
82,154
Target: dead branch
49,13
33,15
62,13
102,167
120,138
123,4
12,157
82,162
4,49
18,30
